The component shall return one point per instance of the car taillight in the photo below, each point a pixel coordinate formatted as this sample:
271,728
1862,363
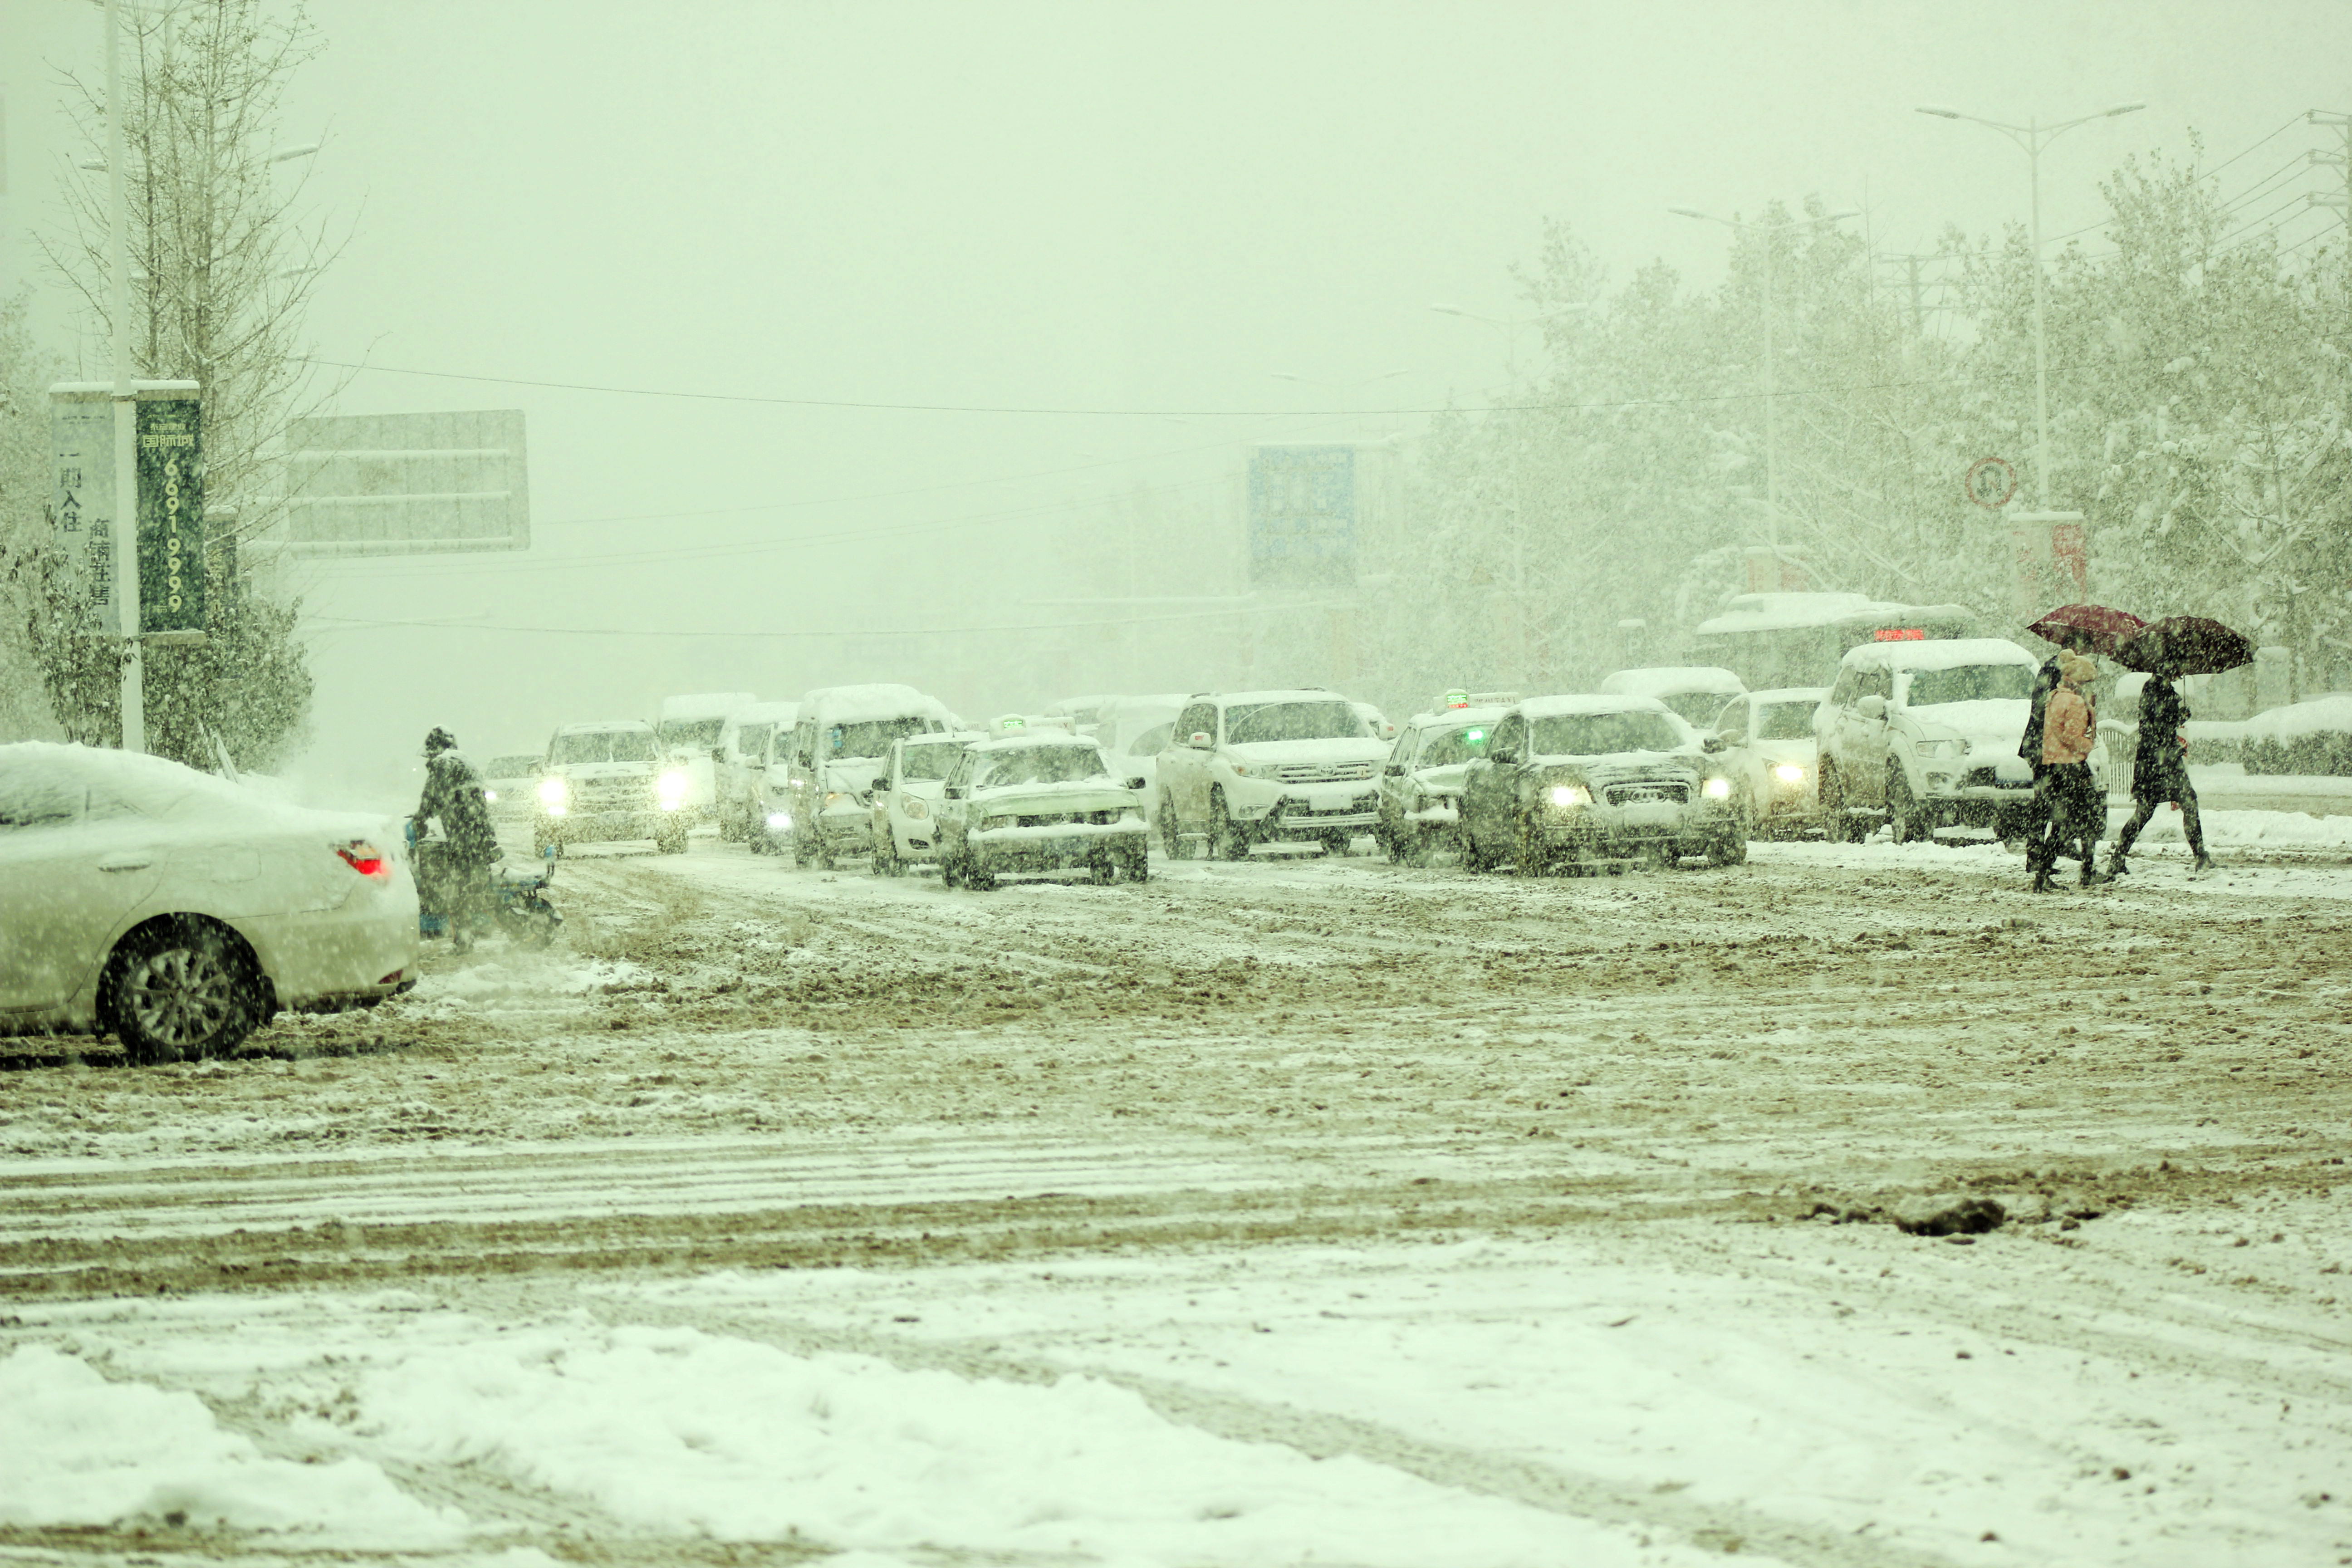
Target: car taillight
365,858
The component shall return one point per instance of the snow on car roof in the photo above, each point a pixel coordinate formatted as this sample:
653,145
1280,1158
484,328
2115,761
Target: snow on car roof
601,726
1659,680
943,738
1793,694
1787,611
1302,694
1456,716
881,699
1018,738
153,786
1593,702
1943,653
768,713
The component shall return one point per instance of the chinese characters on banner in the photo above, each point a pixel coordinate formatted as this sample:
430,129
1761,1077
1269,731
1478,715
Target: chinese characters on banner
81,502
2050,553
169,509
171,515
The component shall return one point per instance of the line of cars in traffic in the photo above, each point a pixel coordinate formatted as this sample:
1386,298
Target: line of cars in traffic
1660,764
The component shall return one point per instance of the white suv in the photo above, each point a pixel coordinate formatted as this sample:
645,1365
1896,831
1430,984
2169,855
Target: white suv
1246,768
1927,731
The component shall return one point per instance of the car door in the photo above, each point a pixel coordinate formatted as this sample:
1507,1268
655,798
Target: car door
1873,737
1396,775
1190,785
69,876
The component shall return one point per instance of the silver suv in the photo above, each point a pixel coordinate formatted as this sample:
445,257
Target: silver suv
604,781
1245,768
1927,731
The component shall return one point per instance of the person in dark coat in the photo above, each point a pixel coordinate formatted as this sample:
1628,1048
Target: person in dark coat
2078,806
455,879
2161,774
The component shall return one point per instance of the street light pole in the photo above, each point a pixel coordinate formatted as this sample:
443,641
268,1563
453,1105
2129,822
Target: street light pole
2030,138
126,410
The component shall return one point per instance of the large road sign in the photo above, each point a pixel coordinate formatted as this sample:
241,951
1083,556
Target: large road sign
405,484
1302,516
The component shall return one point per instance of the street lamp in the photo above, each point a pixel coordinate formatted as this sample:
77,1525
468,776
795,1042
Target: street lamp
2031,137
1771,231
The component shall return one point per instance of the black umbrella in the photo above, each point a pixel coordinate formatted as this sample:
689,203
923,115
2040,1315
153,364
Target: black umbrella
2185,645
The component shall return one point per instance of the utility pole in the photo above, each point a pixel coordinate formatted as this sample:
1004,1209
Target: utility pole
126,408
1911,265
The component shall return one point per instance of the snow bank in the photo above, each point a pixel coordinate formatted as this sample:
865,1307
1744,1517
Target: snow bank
2281,829
2328,715
679,1431
76,1449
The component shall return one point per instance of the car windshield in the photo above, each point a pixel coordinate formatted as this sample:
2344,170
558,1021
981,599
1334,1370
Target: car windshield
752,739
692,731
512,767
1444,748
1597,734
872,737
1333,720
1152,742
1041,764
1696,707
1970,683
934,761
602,746
1785,720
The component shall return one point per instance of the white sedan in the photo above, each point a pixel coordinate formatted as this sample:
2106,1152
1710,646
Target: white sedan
179,912
1770,757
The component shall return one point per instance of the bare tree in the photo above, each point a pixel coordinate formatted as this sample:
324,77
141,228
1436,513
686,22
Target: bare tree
25,537
224,257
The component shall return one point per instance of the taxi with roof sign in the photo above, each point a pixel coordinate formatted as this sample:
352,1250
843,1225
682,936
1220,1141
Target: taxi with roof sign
1421,783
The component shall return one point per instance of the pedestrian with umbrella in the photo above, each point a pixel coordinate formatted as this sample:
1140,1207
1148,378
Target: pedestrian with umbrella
2082,629
2168,650
2077,805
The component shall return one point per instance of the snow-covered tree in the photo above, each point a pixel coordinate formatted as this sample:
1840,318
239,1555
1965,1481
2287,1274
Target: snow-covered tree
223,263
25,377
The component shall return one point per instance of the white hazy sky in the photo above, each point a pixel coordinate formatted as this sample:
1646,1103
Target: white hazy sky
1092,207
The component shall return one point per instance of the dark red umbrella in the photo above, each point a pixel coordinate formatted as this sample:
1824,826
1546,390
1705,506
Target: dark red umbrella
2103,628
2185,645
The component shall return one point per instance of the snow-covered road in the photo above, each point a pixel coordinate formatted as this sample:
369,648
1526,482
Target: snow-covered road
1286,1211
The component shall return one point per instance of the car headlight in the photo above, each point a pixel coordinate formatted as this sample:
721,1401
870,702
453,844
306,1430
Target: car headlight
1790,773
554,791
490,796
1954,748
1717,789
1241,768
780,821
834,798
1571,796
671,789
914,806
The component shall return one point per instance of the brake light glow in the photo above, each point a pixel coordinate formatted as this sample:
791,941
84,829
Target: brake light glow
365,858
1899,633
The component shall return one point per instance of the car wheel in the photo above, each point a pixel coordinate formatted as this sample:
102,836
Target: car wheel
821,850
1100,870
1531,860
671,843
181,990
1172,829
1904,817
1730,849
1407,845
1136,863
1474,857
978,877
1227,838
1336,845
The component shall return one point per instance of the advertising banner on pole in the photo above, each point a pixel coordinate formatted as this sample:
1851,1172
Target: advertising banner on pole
171,516
2049,555
81,502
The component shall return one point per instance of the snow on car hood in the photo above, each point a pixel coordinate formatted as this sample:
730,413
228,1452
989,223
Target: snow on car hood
1446,780
1079,794
1994,723
1347,749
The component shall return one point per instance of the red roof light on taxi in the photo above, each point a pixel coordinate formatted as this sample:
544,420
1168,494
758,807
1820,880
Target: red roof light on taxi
1899,633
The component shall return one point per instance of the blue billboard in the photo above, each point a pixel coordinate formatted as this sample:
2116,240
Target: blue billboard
1302,516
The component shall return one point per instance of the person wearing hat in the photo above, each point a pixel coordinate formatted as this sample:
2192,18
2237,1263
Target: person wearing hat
2161,774
455,879
2069,640
2078,806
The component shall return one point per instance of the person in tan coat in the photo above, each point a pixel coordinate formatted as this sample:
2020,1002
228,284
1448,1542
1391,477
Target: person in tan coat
2078,806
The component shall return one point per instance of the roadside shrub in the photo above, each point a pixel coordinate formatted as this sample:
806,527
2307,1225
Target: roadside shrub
2321,751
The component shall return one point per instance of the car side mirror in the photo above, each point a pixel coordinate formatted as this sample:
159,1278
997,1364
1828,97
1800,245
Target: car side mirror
1711,741
1394,770
1139,782
954,792
1872,706
881,784
1200,740
1501,754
